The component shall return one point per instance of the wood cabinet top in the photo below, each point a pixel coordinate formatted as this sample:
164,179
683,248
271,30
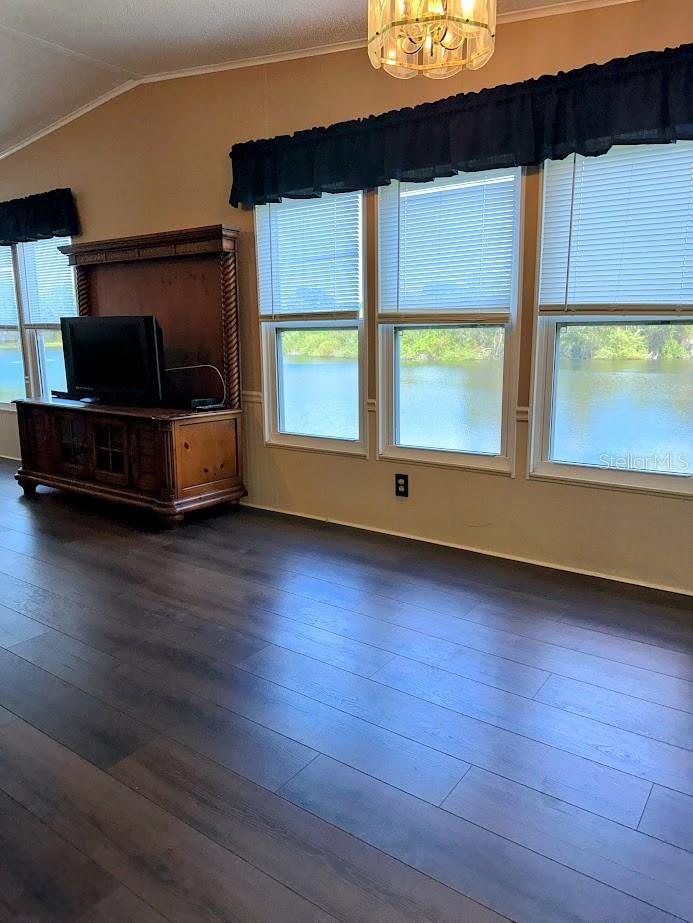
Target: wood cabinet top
164,414
215,238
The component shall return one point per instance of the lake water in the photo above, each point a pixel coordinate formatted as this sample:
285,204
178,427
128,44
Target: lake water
628,414
621,413
451,407
625,414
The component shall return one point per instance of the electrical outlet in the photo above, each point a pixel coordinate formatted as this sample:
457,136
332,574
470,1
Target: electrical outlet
401,485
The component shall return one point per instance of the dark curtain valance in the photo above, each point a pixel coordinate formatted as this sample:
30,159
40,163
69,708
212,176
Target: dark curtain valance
47,214
645,98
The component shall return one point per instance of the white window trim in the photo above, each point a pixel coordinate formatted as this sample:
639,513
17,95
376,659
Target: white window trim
270,380
539,465
388,449
271,324
17,328
542,467
34,366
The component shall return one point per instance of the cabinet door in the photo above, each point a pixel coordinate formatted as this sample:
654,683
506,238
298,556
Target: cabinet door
38,438
207,456
146,458
110,452
73,444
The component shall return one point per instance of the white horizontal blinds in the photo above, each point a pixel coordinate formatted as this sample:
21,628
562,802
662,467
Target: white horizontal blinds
49,281
309,256
555,230
8,292
618,230
388,246
448,245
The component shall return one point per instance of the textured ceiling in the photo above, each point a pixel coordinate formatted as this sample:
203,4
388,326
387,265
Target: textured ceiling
56,58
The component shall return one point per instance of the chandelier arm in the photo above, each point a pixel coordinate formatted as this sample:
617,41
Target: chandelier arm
415,50
451,47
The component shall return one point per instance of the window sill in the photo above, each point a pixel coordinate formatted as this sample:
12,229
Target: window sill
680,487
486,464
323,446
8,408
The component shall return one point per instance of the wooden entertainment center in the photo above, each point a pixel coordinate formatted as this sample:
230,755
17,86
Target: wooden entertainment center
166,459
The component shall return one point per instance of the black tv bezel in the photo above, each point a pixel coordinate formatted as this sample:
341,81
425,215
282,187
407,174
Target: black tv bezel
152,394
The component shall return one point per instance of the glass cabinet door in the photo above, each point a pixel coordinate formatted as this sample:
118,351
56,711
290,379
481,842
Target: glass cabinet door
73,443
110,447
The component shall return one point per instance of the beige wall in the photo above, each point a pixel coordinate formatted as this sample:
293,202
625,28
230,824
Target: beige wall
9,435
156,159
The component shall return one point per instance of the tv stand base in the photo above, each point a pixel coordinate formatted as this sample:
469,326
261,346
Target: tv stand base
29,487
169,462
171,520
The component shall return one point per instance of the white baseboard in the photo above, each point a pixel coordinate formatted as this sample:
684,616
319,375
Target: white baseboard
485,551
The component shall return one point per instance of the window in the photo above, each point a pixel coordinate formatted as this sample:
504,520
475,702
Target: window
447,280
323,365
310,286
36,290
11,362
614,380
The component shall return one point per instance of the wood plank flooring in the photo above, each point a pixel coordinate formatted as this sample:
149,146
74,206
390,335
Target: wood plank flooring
261,719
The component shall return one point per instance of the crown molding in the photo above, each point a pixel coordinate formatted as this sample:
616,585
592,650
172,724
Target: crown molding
70,117
257,61
175,75
560,7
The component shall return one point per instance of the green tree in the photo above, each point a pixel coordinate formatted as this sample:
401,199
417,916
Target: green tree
320,344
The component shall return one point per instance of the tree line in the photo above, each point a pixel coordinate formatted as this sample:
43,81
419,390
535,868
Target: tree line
454,345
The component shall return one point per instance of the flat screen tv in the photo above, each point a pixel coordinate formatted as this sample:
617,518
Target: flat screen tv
117,360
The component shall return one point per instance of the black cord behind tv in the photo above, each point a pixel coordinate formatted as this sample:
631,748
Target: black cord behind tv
114,360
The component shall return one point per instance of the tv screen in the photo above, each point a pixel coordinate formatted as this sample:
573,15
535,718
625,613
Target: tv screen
116,359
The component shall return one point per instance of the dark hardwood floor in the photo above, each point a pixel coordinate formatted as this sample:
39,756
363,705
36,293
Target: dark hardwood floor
259,718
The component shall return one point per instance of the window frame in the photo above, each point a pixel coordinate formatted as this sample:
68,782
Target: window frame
540,465
274,436
30,334
388,323
270,328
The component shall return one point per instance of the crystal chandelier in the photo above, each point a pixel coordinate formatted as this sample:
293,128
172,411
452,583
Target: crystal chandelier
437,38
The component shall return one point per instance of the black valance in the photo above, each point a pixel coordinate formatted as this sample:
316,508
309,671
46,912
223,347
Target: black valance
47,214
646,98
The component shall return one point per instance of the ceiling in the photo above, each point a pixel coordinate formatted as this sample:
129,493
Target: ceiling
53,66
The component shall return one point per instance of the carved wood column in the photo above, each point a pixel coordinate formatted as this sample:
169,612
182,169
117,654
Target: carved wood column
82,286
231,329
